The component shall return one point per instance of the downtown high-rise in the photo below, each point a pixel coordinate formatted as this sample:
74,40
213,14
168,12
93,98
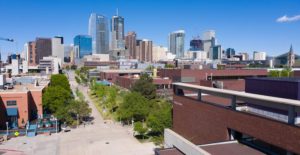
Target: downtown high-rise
98,30
176,43
83,45
117,32
130,44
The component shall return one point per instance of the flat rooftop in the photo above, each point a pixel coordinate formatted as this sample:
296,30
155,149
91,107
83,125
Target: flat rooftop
232,148
122,71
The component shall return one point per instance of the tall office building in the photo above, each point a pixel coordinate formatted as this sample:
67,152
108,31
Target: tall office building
176,43
98,30
58,47
130,44
31,54
196,44
43,48
83,44
230,52
117,32
209,40
144,49
68,52
259,55
215,53
159,53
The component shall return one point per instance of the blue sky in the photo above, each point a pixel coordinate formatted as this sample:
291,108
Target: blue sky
245,25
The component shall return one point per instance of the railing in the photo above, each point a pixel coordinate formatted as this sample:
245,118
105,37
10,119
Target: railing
289,104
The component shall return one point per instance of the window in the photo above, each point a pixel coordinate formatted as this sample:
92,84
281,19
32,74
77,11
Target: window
11,103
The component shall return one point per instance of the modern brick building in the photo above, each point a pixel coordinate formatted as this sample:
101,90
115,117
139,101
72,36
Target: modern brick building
217,121
43,48
111,75
195,76
21,104
128,81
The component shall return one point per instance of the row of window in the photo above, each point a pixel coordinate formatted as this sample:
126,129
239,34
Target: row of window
11,103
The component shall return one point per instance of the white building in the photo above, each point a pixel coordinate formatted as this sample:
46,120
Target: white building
159,53
58,49
50,64
209,40
259,55
197,55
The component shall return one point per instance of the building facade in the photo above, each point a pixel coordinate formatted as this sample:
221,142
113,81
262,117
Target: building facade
176,43
144,49
196,45
58,47
130,44
83,45
43,48
257,56
98,30
117,32
215,53
159,53
230,52
31,54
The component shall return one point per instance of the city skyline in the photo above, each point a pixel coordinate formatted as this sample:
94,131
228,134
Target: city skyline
272,30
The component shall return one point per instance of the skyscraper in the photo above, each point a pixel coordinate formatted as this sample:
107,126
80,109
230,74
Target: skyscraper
144,49
209,40
58,47
83,44
43,48
98,30
117,32
130,44
196,44
176,43
230,52
31,54
215,53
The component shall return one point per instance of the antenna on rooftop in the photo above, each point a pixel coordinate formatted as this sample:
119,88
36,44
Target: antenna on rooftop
117,12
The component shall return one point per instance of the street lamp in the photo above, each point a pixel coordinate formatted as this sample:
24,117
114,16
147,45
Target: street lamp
56,124
7,128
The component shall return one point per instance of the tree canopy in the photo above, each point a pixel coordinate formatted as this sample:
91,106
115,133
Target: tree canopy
145,87
134,106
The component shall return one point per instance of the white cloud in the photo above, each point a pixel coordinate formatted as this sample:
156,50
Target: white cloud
285,18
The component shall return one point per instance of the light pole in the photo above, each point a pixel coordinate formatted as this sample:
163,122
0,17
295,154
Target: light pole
7,128
56,124
77,120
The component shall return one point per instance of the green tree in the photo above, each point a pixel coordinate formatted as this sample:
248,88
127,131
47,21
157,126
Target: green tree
80,108
54,98
169,66
139,127
274,73
145,87
160,117
60,80
134,106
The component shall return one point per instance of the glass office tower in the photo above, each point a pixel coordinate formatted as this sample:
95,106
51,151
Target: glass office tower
98,30
83,44
176,43
117,32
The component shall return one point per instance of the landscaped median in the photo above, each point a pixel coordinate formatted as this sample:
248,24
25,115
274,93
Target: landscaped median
140,106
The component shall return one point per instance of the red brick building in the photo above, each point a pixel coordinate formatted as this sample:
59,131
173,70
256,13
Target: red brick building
128,81
206,124
20,105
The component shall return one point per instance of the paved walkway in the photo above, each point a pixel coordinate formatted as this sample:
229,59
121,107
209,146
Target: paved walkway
98,139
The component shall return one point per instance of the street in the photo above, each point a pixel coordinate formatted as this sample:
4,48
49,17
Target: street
101,138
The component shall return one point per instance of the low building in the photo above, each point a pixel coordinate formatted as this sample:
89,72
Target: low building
216,121
22,103
128,81
197,75
50,65
112,74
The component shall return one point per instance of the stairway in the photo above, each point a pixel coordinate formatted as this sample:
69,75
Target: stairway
31,131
